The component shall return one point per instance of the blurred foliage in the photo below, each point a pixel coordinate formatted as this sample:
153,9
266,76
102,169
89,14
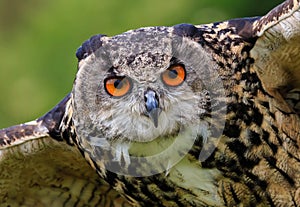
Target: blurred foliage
38,40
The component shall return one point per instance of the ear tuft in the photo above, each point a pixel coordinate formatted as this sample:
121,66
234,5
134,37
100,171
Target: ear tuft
186,30
89,46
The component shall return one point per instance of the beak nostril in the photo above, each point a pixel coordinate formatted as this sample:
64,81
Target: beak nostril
151,100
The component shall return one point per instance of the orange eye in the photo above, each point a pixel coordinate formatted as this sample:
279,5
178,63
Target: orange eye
117,86
174,75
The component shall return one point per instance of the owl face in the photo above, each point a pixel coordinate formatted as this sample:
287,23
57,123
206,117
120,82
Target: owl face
142,86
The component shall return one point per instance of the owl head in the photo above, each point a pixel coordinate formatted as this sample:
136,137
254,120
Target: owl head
151,85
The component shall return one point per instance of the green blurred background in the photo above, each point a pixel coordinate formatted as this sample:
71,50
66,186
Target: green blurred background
38,40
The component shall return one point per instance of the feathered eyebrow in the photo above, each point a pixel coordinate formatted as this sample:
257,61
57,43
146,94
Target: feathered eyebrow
112,71
175,60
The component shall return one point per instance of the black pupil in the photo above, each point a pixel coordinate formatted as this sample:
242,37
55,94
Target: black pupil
118,84
173,74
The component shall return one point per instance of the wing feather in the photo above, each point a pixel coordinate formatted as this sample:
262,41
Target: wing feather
37,170
277,49
19,134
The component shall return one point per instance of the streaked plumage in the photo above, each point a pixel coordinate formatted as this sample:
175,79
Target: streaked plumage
250,159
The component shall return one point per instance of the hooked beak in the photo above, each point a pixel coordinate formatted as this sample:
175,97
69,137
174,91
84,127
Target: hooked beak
152,106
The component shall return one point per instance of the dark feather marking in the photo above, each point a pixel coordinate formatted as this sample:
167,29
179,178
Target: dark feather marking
53,118
274,15
272,162
244,28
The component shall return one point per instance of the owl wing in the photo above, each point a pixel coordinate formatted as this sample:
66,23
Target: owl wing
276,52
275,57
271,46
36,170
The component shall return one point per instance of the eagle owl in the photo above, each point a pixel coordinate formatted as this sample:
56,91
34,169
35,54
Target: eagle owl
189,115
